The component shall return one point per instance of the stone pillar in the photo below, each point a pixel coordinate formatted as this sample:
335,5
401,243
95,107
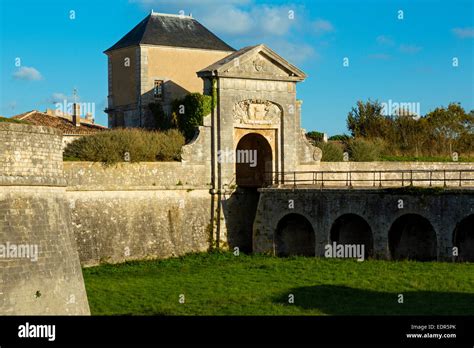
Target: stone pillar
40,273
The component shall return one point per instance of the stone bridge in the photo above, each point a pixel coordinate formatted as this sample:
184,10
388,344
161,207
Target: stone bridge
392,223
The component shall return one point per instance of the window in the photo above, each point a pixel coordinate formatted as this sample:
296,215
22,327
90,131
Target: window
158,89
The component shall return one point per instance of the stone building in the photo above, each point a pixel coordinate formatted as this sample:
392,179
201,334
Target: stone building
257,110
168,56
157,61
249,139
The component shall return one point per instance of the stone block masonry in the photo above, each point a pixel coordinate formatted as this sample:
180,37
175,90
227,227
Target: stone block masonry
421,224
40,273
139,210
116,226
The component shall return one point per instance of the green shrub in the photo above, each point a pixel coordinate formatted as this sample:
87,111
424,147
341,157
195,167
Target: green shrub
315,136
190,111
12,120
332,151
142,146
339,137
361,150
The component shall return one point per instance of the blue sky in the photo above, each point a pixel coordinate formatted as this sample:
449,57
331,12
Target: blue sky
390,59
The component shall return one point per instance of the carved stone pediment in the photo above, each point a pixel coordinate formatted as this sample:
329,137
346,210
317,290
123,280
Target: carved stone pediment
257,112
258,65
255,62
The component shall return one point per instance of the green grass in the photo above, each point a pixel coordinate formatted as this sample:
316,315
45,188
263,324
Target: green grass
223,284
12,120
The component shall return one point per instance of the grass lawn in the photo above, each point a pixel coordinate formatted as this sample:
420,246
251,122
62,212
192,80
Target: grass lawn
223,284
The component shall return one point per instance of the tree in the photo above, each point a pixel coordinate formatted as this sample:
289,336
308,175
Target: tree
366,120
449,124
315,136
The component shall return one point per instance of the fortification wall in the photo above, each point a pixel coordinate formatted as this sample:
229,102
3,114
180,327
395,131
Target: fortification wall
444,209
139,210
454,178
39,263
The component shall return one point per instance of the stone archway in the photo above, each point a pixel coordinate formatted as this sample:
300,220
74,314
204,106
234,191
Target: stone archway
253,161
412,236
294,235
463,239
352,229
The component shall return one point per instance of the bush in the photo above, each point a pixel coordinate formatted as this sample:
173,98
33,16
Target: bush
111,146
361,150
332,152
190,111
315,136
339,137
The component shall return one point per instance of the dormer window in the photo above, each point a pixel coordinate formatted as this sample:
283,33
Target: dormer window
158,89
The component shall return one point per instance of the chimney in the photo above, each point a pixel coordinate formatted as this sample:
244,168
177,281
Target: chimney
89,118
76,114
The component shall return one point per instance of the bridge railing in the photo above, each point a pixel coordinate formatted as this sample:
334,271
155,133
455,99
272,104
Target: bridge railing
374,178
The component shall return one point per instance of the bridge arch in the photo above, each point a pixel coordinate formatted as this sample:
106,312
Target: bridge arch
463,238
412,236
294,235
253,157
353,229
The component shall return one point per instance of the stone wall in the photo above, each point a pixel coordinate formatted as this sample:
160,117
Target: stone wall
391,179
445,210
139,210
39,264
126,176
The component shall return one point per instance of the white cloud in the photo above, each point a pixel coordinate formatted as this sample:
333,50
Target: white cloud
185,3
58,97
27,73
273,20
295,53
259,20
410,48
246,22
322,26
229,20
463,33
385,40
233,17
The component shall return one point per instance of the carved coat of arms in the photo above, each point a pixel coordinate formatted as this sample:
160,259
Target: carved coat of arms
256,112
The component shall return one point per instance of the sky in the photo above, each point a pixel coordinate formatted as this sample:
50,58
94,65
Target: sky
415,51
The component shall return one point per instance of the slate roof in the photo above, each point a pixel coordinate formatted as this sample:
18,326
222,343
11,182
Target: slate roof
38,118
171,30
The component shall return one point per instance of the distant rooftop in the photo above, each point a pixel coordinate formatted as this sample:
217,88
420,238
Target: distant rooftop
64,124
171,30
